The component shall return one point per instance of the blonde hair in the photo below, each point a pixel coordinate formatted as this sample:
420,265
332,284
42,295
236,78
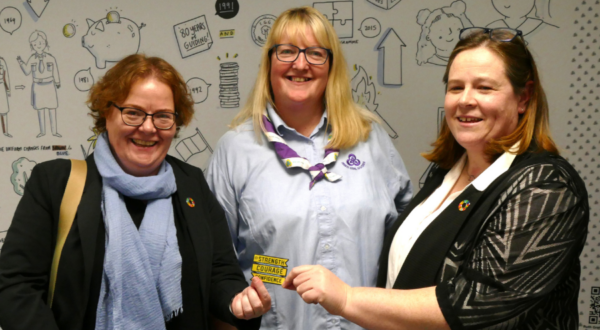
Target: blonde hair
533,129
349,122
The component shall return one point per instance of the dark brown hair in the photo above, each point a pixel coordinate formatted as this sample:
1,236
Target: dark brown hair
117,82
533,129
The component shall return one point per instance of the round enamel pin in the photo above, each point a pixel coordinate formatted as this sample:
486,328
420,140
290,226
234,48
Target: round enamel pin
463,205
190,202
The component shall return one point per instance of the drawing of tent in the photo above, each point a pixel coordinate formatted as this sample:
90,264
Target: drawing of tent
193,145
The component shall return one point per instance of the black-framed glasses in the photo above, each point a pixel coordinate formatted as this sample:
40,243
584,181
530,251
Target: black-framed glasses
290,53
136,117
498,34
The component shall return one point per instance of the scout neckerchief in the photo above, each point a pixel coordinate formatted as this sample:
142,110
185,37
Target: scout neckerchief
291,159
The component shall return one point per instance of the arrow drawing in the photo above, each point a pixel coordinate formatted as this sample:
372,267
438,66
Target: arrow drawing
38,6
391,63
20,87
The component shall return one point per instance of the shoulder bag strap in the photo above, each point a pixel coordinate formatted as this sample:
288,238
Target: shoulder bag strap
68,209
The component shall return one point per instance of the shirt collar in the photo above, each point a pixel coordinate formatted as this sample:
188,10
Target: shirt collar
501,165
278,122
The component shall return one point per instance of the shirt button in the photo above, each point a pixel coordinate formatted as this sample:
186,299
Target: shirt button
327,246
323,208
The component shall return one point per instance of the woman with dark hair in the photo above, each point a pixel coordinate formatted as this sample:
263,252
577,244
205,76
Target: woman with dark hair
149,247
493,238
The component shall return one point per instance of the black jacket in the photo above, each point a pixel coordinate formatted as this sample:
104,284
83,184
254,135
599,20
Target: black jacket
29,246
511,259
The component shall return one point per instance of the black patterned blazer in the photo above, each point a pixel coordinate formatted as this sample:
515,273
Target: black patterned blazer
511,259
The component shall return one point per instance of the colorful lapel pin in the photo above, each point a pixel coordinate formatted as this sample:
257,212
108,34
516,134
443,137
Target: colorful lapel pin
190,202
463,205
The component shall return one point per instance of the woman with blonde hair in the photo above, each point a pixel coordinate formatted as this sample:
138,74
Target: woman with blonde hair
305,174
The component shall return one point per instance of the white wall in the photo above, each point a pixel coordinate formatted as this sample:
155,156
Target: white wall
407,97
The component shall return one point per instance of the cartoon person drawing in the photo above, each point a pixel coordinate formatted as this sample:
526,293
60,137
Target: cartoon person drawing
4,94
440,29
43,67
517,14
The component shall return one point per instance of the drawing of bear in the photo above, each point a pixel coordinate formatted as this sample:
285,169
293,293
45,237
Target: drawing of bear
112,38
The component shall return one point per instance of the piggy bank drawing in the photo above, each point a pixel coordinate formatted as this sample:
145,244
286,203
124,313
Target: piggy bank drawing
112,38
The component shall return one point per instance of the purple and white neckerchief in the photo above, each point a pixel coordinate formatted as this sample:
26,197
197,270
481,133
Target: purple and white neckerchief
291,159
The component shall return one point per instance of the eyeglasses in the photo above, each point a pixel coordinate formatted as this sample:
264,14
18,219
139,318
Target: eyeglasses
289,53
498,34
136,117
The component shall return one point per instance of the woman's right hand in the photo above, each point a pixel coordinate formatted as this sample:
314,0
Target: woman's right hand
253,302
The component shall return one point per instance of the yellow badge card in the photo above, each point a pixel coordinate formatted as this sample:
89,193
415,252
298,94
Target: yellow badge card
269,279
270,260
270,269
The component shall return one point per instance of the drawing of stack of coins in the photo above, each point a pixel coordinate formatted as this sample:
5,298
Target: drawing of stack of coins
228,89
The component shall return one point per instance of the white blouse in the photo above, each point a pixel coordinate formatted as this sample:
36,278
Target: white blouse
426,212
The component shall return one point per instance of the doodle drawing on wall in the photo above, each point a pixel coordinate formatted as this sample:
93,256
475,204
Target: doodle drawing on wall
390,58
524,15
229,94
261,28
10,19
441,116
42,66
37,6
193,145
69,30
4,95
340,14
83,80
92,140
227,8
111,38
193,36
2,237
198,88
21,172
364,93
440,30
385,4
370,27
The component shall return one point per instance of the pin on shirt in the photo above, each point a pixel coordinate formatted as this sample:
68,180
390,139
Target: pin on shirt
463,205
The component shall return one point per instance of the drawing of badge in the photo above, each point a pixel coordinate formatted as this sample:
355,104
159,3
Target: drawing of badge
270,269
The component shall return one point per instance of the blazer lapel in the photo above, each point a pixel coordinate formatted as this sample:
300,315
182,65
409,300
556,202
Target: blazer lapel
89,217
189,200
421,267
427,190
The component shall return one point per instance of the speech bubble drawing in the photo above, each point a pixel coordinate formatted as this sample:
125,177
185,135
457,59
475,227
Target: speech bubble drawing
199,89
227,8
370,27
10,19
83,80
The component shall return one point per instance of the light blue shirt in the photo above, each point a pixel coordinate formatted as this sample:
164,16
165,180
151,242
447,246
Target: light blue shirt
340,225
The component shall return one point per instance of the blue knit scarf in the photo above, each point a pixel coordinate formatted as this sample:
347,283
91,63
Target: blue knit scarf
141,281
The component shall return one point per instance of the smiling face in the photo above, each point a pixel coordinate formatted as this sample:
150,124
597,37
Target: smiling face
513,8
299,81
444,34
140,150
38,45
480,102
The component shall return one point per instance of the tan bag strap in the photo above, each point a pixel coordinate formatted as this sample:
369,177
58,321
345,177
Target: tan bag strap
68,209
